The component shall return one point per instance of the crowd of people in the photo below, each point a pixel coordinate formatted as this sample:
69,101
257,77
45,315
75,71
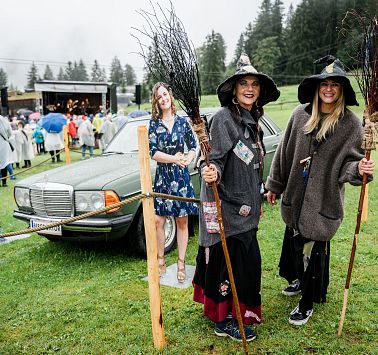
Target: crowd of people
21,139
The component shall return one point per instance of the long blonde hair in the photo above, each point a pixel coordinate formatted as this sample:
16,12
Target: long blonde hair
330,121
156,111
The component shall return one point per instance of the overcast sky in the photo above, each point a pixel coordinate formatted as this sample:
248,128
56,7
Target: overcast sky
54,32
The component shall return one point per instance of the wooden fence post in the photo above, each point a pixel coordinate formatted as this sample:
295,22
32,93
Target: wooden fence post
151,242
66,148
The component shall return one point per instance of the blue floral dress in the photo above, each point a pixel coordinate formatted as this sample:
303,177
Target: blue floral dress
170,178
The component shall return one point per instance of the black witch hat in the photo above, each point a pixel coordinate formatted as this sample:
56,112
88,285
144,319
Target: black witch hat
334,70
268,91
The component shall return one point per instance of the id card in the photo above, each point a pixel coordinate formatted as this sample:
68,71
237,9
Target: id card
243,152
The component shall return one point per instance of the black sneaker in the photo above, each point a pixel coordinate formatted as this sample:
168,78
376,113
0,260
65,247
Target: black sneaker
299,318
292,289
230,328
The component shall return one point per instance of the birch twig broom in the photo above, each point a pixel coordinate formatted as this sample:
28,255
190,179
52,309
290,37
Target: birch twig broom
366,73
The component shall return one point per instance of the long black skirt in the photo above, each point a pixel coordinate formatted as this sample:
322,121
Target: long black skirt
313,274
212,285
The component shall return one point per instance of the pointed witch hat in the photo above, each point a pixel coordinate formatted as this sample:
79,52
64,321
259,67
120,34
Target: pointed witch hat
268,88
334,70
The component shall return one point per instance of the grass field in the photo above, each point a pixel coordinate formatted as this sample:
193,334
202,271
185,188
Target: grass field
90,299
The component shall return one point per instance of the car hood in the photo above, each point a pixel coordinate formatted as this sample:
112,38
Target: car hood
90,174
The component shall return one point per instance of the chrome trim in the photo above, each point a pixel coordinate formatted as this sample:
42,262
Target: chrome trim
51,199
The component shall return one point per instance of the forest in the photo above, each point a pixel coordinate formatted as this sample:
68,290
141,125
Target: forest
282,45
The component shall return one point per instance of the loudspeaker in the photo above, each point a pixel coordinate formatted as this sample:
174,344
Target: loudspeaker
138,94
4,97
113,98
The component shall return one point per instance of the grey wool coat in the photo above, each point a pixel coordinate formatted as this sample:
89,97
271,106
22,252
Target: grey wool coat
315,208
237,156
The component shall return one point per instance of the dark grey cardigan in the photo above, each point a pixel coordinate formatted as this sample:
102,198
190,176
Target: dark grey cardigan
316,210
239,185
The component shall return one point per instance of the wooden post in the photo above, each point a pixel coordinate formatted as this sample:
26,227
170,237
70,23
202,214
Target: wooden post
66,148
151,241
364,215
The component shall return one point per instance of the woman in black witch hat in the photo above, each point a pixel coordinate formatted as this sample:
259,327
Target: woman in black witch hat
321,150
236,164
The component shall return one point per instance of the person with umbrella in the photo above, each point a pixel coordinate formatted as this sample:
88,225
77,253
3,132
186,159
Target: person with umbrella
320,152
53,124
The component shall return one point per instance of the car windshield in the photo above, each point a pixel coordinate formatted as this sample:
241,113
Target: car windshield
126,140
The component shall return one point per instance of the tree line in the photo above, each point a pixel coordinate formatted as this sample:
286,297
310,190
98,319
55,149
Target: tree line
281,45
77,71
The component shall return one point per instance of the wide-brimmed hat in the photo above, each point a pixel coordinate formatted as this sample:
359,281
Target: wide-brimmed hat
268,88
334,70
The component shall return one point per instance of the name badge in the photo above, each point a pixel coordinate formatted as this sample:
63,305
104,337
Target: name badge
243,152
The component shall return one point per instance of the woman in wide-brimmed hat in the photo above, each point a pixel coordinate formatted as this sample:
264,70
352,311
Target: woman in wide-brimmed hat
321,150
236,164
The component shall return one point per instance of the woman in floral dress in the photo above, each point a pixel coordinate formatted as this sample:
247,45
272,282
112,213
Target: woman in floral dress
168,136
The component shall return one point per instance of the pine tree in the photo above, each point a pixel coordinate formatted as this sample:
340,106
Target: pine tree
211,58
267,55
3,78
32,76
116,73
96,73
69,71
61,75
75,71
103,75
81,72
129,75
48,74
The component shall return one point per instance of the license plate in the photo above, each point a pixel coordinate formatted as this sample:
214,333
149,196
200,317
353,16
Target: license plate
50,231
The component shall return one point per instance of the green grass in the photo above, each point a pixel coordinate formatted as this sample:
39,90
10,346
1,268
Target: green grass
90,299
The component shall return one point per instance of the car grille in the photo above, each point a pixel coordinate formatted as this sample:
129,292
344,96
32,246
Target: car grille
52,199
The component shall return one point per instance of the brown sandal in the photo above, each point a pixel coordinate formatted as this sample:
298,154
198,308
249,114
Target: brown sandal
181,273
162,267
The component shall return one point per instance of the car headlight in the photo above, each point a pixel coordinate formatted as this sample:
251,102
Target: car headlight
22,197
86,201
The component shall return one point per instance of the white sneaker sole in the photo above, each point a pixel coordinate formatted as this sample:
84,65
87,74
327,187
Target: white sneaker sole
300,322
293,293
228,335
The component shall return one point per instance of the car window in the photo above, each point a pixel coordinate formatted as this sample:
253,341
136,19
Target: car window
266,130
126,139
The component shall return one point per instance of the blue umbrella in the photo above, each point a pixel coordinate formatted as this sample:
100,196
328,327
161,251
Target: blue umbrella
53,122
138,113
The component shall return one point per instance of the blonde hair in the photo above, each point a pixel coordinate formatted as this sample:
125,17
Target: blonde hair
156,111
330,121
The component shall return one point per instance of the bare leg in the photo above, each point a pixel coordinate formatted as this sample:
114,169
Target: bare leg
160,222
182,243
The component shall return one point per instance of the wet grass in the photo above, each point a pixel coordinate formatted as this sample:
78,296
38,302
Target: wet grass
90,299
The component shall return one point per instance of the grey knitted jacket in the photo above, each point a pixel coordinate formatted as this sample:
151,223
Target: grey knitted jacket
236,156
315,209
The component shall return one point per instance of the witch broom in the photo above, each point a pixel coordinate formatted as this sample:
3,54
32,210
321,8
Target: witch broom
366,73
172,59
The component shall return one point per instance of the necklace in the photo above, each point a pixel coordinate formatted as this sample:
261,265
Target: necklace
170,120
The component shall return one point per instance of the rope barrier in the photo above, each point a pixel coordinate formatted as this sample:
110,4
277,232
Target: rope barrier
96,212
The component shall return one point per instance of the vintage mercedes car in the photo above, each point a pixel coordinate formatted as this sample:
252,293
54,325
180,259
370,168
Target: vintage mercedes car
91,184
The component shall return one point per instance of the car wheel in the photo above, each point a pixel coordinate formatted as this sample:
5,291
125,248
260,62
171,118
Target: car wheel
170,229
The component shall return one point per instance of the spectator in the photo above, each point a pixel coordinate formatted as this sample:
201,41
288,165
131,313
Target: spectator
5,148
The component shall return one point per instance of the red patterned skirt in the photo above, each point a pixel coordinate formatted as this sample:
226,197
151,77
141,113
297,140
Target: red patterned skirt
212,285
